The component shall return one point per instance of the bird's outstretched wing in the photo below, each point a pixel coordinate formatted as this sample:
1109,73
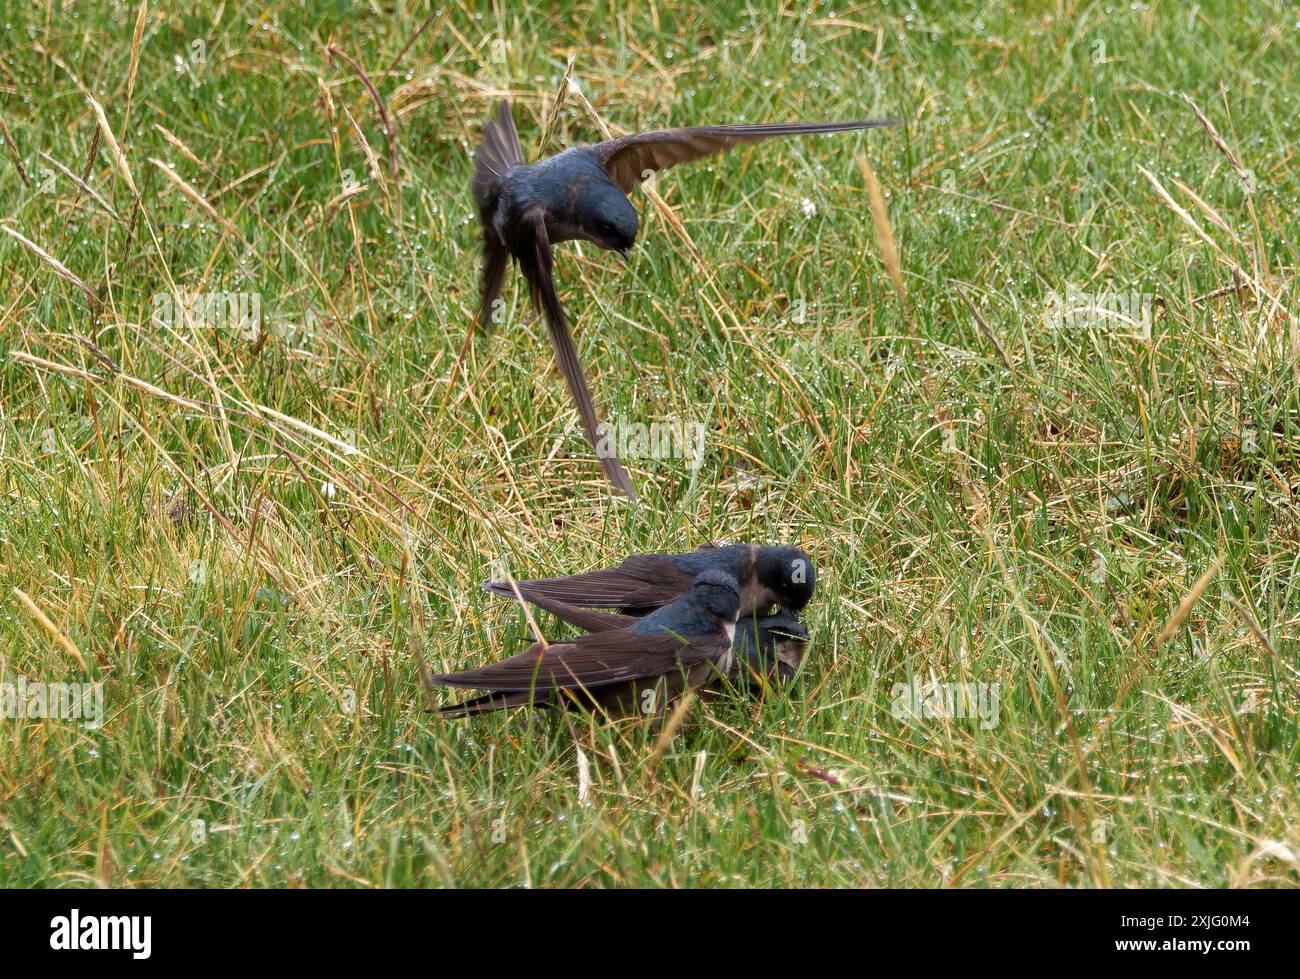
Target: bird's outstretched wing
641,584
533,251
498,151
627,159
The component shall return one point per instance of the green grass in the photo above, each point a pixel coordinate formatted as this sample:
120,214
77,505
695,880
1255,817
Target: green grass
237,581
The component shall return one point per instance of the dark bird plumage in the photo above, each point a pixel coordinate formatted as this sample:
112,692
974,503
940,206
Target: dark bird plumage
681,646
644,582
771,646
582,194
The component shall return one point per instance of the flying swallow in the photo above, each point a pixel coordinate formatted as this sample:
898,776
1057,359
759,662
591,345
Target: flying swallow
644,582
581,194
643,667
771,646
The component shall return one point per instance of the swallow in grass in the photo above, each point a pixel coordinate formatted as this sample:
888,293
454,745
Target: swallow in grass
640,668
644,582
767,647
581,194
770,646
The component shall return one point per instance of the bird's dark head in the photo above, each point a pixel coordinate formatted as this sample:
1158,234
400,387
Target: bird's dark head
608,217
790,640
717,592
788,573
773,645
783,625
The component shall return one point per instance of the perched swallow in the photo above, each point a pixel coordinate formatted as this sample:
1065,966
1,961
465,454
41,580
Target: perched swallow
771,646
643,583
582,194
681,646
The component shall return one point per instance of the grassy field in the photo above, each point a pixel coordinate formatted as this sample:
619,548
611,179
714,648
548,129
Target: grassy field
250,533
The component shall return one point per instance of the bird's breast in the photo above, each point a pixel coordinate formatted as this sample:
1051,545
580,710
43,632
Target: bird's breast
755,596
727,661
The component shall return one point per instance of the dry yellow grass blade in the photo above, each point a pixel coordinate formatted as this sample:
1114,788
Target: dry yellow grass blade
347,448
1254,280
884,230
553,115
119,158
180,146
104,862
701,757
372,158
341,198
1190,221
189,191
1245,176
584,777
332,51
54,631
528,614
60,269
1253,625
670,728
1190,599
1276,849
83,187
1215,217
252,410
135,50
25,358
1188,718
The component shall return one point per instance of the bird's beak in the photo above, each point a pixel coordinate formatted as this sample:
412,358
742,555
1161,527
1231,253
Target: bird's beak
625,253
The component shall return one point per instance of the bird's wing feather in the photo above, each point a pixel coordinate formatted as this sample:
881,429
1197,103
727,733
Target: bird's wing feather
591,661
583,618
642,583
533,250
627,159
497,152
614,698
493,701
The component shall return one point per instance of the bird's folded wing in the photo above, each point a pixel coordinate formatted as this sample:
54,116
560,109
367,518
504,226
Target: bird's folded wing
641,583
591,661
628,159
583,618
489,702
533,250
